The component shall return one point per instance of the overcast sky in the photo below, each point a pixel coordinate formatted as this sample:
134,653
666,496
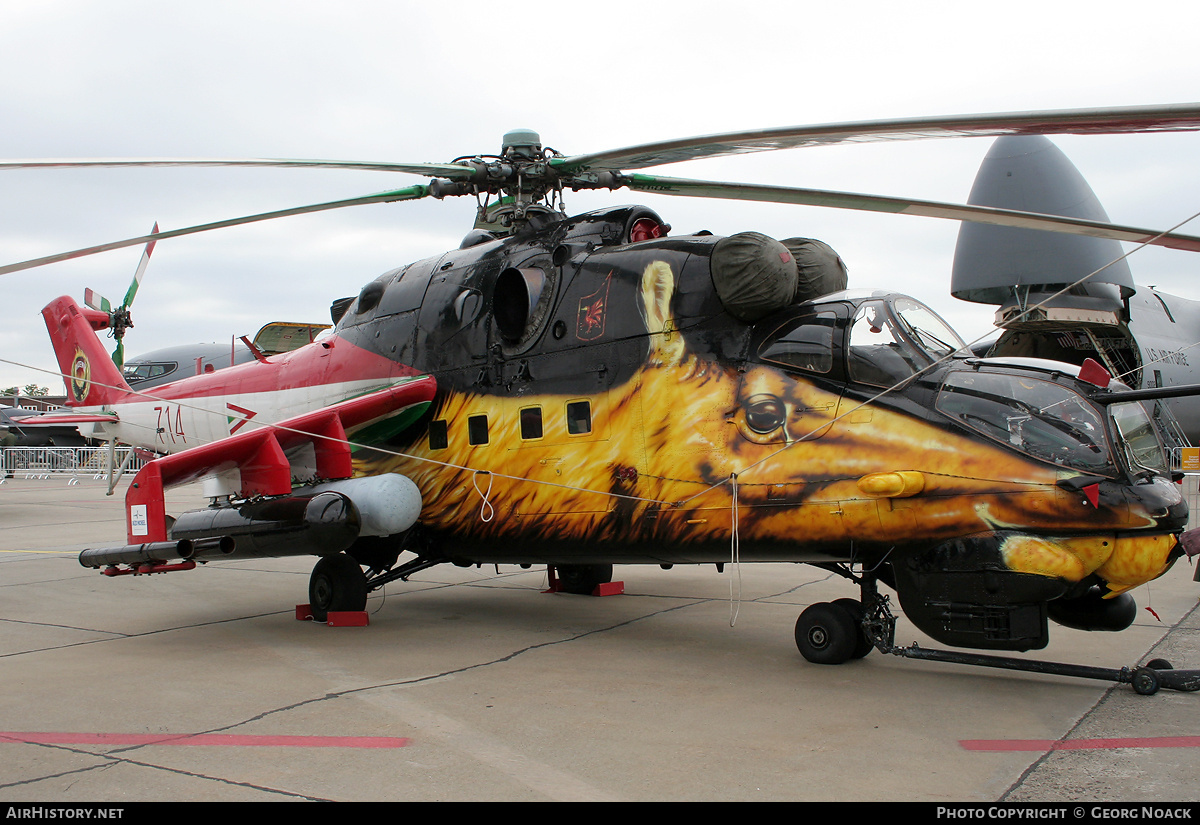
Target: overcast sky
401,81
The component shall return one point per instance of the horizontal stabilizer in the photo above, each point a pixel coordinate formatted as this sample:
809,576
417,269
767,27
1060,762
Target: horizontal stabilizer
60,419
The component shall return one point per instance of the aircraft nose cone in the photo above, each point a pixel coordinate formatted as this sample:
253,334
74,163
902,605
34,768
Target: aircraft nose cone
1028,173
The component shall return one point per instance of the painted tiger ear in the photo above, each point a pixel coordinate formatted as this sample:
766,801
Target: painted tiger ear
658,286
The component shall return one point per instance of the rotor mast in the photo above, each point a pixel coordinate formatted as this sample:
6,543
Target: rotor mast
529,185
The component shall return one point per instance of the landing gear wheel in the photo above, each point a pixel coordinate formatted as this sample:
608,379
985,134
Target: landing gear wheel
1159,664
337,584
826,634
582,579
1145,681
863,645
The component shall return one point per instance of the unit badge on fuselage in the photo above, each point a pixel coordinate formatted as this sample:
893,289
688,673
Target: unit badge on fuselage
81,373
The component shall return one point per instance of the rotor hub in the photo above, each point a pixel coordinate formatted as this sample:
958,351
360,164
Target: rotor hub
522,143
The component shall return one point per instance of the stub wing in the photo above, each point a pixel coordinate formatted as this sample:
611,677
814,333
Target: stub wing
260,455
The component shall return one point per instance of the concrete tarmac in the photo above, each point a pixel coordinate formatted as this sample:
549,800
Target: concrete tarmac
473,684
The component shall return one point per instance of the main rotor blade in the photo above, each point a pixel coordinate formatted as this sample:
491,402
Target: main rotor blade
410,193
445,170
1123,120
908,206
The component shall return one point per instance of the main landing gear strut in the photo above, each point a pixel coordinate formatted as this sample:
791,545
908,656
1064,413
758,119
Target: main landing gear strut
831,633
339,584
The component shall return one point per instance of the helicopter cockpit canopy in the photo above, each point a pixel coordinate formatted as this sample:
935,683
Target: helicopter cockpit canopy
886,338
883,340
893,338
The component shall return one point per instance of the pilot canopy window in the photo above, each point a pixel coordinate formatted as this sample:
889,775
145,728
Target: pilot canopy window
142,372
804,343
1039,418
879,353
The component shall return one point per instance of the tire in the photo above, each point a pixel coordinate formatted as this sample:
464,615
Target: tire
582,579
1145,681
1159,664
337,584
826,634
864,645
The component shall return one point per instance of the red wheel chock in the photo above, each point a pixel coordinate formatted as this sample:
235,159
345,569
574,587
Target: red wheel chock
335,618
606,589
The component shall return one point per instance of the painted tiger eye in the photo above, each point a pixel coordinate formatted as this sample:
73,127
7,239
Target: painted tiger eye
765,413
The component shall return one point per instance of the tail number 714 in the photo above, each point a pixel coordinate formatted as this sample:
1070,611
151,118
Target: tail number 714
165,427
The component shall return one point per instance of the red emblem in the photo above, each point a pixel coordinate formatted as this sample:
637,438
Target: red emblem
593,309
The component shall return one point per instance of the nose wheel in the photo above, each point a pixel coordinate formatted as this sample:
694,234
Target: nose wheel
830,633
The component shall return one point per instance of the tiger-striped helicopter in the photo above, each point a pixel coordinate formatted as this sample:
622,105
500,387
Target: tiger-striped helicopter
589,390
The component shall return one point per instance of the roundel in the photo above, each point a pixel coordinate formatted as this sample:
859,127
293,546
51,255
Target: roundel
81,373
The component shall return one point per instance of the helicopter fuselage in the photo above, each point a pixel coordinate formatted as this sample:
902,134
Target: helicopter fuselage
599,402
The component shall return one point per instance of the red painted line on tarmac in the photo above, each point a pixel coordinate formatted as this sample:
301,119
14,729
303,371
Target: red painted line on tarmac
219,739
1080,744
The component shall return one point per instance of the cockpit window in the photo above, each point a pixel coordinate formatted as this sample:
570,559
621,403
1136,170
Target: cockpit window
880,353
927,329
892,340
143,372
1142,447
804,343
1039,418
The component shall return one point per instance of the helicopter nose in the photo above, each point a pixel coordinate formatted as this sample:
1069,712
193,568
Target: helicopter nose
1123,562
1161,502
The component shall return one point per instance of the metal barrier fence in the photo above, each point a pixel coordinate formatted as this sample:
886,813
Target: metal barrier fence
43,462
1191,494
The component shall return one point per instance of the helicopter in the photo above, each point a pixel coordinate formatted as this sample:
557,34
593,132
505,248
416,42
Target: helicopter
589,390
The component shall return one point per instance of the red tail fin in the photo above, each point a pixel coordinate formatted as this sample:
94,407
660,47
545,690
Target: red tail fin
91,376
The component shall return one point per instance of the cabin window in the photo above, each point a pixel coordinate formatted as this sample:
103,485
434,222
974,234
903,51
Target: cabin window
439,437
531,423
579,417
477,430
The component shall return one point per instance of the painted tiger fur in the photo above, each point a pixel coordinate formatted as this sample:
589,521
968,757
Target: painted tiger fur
670,449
